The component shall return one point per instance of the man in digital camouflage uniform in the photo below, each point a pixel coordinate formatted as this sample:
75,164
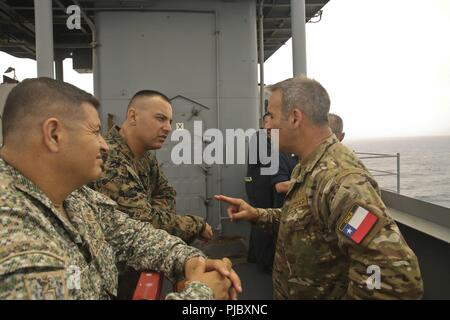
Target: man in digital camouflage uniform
61,240
335,233
133,177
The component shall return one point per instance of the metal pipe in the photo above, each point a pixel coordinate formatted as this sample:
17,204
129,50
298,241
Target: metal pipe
14,43
271,5
59,69
277,18
287,5
85,16
219,167
398,172
261,58
72,46
298,37
94,45
44,37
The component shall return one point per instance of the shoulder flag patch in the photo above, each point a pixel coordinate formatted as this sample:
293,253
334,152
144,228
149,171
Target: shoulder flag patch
358,224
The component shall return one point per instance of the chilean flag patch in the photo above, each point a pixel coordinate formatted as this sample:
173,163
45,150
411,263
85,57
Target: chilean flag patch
359,224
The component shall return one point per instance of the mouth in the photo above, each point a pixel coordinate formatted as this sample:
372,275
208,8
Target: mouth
101,164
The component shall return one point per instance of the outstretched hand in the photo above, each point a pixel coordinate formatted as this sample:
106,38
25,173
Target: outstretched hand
238,209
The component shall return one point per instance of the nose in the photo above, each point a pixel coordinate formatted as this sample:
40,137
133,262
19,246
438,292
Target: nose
168,127
103,145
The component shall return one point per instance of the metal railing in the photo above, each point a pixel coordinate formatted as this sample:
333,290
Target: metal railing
378,173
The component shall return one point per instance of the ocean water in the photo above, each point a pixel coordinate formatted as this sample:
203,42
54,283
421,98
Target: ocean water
424,165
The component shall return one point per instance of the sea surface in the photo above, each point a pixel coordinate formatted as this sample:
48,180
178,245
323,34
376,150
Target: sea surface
424,165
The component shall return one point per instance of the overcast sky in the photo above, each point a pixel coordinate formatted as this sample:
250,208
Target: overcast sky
385,64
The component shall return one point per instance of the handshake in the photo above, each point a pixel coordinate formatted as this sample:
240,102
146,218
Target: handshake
216,274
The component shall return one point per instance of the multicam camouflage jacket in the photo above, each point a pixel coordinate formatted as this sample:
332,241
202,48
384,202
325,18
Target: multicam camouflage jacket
335,239
45,256
141,189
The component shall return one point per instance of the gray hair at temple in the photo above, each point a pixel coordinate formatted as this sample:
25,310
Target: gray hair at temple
308,95
337,125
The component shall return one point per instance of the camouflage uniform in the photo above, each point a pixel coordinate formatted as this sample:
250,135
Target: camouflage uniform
44,256
314,258
141,189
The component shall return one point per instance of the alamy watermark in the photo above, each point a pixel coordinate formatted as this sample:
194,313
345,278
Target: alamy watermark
374,280
189,150
74,278
74,19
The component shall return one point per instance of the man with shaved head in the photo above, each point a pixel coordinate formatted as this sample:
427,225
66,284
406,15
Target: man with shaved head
133,177
336,125
60,239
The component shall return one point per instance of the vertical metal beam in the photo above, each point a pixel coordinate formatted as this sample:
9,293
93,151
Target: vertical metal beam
59,69
44,37
94,44
298,21
398,172
219,226
261,58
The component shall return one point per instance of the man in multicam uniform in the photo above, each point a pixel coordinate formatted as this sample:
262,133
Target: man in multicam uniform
335,233
133,177
61,240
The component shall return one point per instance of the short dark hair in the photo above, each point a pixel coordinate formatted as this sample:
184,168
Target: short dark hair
336,123
148,93
40,97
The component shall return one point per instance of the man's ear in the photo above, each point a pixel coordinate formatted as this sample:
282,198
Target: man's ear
296,117
51,132
131,116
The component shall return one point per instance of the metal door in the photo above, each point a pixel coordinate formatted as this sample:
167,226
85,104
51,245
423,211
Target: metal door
189,180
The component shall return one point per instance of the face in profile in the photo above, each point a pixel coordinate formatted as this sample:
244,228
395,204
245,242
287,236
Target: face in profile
267,124
153,121
278,120
84,147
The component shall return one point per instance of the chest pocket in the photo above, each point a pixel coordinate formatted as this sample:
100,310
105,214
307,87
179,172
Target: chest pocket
297,218
135,176
297,214
104,264
101,269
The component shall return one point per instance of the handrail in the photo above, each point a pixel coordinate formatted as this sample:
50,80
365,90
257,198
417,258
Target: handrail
382,173
378,155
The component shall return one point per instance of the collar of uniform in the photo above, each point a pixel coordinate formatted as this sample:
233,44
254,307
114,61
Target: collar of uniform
315,156
26,185
117,142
